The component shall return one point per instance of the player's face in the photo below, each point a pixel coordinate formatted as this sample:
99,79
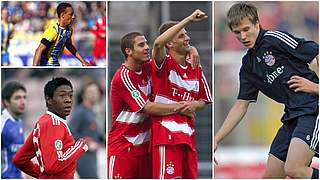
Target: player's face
181,42
4,14
246,32
68,15
17,103
61,101
141,50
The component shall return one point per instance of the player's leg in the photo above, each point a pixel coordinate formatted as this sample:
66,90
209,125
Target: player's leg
278,154
166,162
189,164
302,148
120,167
274,169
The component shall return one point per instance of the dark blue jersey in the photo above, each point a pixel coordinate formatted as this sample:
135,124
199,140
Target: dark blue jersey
268,66
11,140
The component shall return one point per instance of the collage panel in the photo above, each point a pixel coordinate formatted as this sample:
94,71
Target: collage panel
51,33
266,55
53,123
155,126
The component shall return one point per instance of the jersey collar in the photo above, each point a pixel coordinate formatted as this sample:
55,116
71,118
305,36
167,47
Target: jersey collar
259,38
7,115
57,117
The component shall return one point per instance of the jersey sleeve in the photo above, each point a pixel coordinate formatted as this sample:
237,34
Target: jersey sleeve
51,145
204,91
128,90
22,158
247,90
51,33
303,50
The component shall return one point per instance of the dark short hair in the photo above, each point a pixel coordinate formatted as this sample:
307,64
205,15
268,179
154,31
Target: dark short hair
239,11
62,7
127,41
53,84
11,88
167,25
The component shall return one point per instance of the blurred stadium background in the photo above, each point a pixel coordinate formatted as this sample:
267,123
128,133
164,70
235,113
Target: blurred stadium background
34,81
244,152
31,18
146,17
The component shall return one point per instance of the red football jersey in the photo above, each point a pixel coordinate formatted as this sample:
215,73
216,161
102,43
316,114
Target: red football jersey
173,83
130,131
52,143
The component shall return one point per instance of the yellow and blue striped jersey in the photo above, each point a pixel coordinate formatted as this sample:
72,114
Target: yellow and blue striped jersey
6,32
58,37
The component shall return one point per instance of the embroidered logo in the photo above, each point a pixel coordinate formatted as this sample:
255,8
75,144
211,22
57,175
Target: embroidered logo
58,144
308,137
135,94
269,58
170,168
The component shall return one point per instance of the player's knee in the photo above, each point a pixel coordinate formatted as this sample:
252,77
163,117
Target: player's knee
293,170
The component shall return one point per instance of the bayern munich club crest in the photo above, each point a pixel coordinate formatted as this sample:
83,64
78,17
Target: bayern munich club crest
269,58
170,168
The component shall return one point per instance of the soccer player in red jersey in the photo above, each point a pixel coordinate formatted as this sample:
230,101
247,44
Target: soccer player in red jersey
99,48
174,80
51,141
128,142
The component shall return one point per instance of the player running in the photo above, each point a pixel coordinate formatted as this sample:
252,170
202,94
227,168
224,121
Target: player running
51,141
274,64
55,38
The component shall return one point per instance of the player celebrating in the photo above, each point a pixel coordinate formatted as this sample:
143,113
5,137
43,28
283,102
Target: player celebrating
173,136
51,141
128,142
55,38
14,100
271,65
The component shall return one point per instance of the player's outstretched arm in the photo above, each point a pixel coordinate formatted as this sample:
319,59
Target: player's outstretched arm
159,45
233,118
76,54
37,55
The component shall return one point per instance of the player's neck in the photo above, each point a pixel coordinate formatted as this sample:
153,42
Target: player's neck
55,112
179,58
14,115
63,25
132,65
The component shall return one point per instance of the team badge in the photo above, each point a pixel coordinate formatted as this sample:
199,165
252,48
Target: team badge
58,144
135,94
170,168
269,58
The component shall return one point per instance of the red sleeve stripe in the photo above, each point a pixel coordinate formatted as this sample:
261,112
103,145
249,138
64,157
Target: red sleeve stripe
71,151
127,82
206,88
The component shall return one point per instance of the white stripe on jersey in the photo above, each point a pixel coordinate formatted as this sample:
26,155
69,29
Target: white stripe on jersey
71,151
131,117
111,165
283,37
175,127
315,135
164,100
139,139
206,88
128,84
189,85
162,151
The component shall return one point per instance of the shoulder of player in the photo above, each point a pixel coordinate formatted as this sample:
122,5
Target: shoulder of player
49,121
279,37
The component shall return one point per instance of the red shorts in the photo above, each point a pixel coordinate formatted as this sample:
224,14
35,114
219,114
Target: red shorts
174,161
129,167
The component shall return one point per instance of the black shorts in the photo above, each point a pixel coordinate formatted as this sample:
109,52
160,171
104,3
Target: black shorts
304,127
